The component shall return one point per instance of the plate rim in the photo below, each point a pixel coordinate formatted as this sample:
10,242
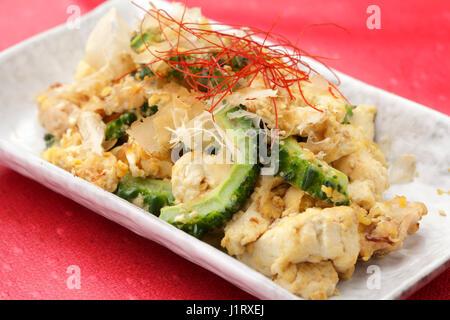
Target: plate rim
9,157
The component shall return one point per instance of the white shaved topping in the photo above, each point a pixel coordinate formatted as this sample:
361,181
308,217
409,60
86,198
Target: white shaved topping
92,130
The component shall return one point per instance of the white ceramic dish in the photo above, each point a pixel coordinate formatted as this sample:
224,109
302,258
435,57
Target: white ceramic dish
52,57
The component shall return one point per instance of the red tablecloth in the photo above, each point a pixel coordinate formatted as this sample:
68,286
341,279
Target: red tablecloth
43,233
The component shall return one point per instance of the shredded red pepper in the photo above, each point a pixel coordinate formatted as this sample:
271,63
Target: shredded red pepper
280,65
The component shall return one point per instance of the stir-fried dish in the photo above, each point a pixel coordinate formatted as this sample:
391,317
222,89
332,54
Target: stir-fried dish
219,132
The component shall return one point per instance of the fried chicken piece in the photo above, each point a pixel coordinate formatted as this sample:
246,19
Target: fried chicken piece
103,170
387,224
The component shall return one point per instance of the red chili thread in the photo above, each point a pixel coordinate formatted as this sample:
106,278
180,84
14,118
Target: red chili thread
278,67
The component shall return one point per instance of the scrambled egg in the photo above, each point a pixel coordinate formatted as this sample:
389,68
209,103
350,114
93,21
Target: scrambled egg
142,164
103,170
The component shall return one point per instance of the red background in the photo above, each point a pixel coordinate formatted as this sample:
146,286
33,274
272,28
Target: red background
42,233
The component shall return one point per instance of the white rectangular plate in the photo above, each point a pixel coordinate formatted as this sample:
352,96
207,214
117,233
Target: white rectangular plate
52,57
